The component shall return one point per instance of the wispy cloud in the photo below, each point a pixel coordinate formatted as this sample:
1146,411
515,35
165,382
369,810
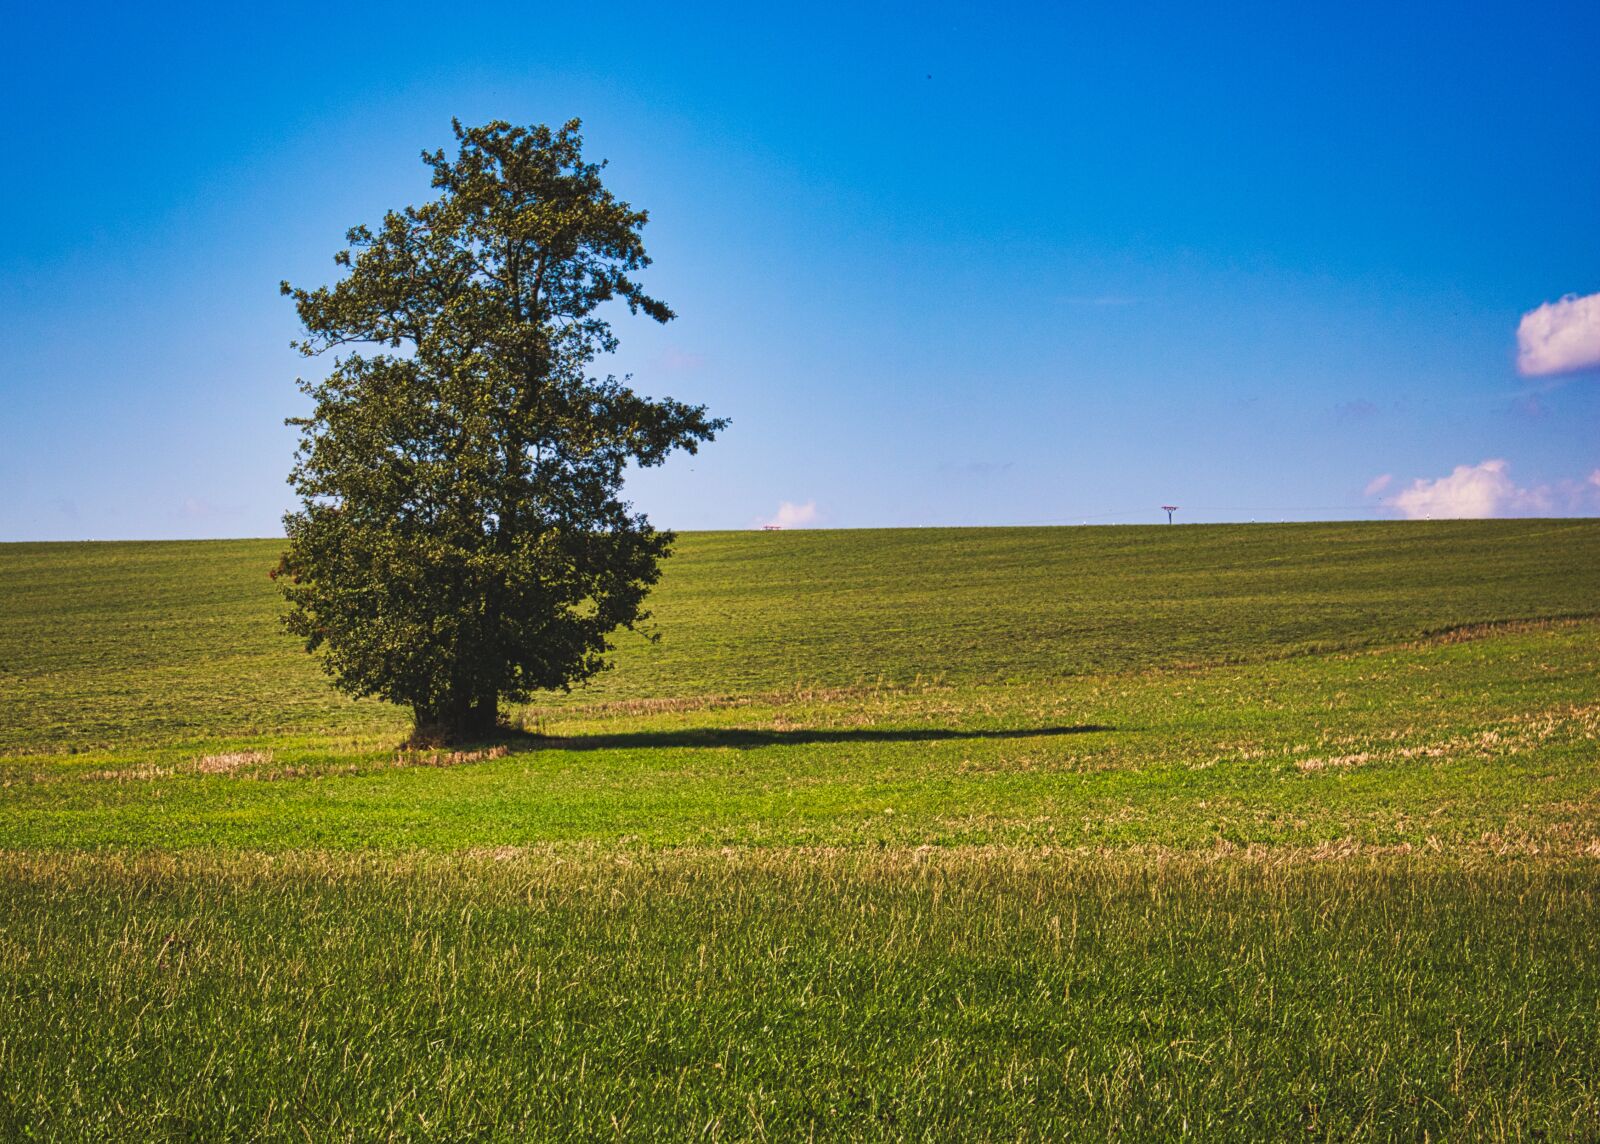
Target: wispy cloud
1529,405
676,360
1560,337
1488,490
976,470
198,508
1377,484
791,515
1358,410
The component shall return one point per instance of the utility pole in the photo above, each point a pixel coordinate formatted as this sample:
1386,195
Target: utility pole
1170,509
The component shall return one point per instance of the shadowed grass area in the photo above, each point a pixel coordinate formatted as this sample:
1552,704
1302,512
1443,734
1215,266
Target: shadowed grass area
747,738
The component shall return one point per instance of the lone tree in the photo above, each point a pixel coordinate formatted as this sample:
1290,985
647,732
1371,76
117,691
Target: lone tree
461,538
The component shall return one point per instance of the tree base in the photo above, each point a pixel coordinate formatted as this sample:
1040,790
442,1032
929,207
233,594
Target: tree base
471,724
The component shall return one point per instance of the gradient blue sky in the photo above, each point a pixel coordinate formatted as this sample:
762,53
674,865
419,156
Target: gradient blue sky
940,264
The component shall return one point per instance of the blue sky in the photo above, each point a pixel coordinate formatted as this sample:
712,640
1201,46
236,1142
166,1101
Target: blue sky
940,264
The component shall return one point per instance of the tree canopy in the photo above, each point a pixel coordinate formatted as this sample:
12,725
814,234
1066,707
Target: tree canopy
461,538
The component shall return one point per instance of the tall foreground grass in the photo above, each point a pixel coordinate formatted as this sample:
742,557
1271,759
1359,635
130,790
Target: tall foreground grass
784,994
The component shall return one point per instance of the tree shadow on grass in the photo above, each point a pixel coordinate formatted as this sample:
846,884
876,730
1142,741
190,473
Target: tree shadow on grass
747,738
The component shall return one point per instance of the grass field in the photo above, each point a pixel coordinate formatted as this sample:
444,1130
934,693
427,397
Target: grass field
1219,831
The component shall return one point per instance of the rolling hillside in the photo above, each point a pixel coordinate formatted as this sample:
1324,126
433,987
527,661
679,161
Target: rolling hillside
1232,833
106,645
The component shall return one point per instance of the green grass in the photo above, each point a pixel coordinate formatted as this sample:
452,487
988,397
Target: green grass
121,644
1230,832
1462,744
782,995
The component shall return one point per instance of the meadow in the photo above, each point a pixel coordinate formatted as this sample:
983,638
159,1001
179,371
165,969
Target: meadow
1231,832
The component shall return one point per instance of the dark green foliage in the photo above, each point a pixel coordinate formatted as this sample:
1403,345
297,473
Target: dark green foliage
462,539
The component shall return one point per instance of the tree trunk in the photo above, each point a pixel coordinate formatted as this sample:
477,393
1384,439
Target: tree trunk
484,714
455,721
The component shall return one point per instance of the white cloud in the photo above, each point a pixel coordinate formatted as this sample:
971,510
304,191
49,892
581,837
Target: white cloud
1471,491
1560,336
1594,478
791,515
1377,484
